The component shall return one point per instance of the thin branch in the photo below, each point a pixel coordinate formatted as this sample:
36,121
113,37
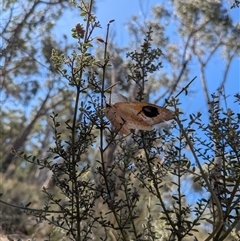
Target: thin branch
204,84
224,80
205,178
30,209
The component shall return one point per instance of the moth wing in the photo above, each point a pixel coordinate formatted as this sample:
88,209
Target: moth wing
136,115
129,113
117,121
142,114
154,114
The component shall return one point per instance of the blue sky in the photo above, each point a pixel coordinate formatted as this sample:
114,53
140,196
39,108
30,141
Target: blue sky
122,10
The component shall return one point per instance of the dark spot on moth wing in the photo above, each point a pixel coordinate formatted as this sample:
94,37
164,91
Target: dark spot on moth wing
150,111
155,114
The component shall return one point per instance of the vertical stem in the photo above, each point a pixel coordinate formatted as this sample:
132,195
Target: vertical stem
102,136
155,184
74,161
205,178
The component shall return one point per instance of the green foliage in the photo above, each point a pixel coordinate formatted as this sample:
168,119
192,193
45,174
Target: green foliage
235,4
145,62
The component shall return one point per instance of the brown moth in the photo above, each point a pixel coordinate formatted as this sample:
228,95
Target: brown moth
126,115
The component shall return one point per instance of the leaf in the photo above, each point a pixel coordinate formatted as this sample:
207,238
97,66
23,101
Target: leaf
100,40
27,205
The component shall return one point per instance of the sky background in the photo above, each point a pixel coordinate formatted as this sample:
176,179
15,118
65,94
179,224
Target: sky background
122,10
